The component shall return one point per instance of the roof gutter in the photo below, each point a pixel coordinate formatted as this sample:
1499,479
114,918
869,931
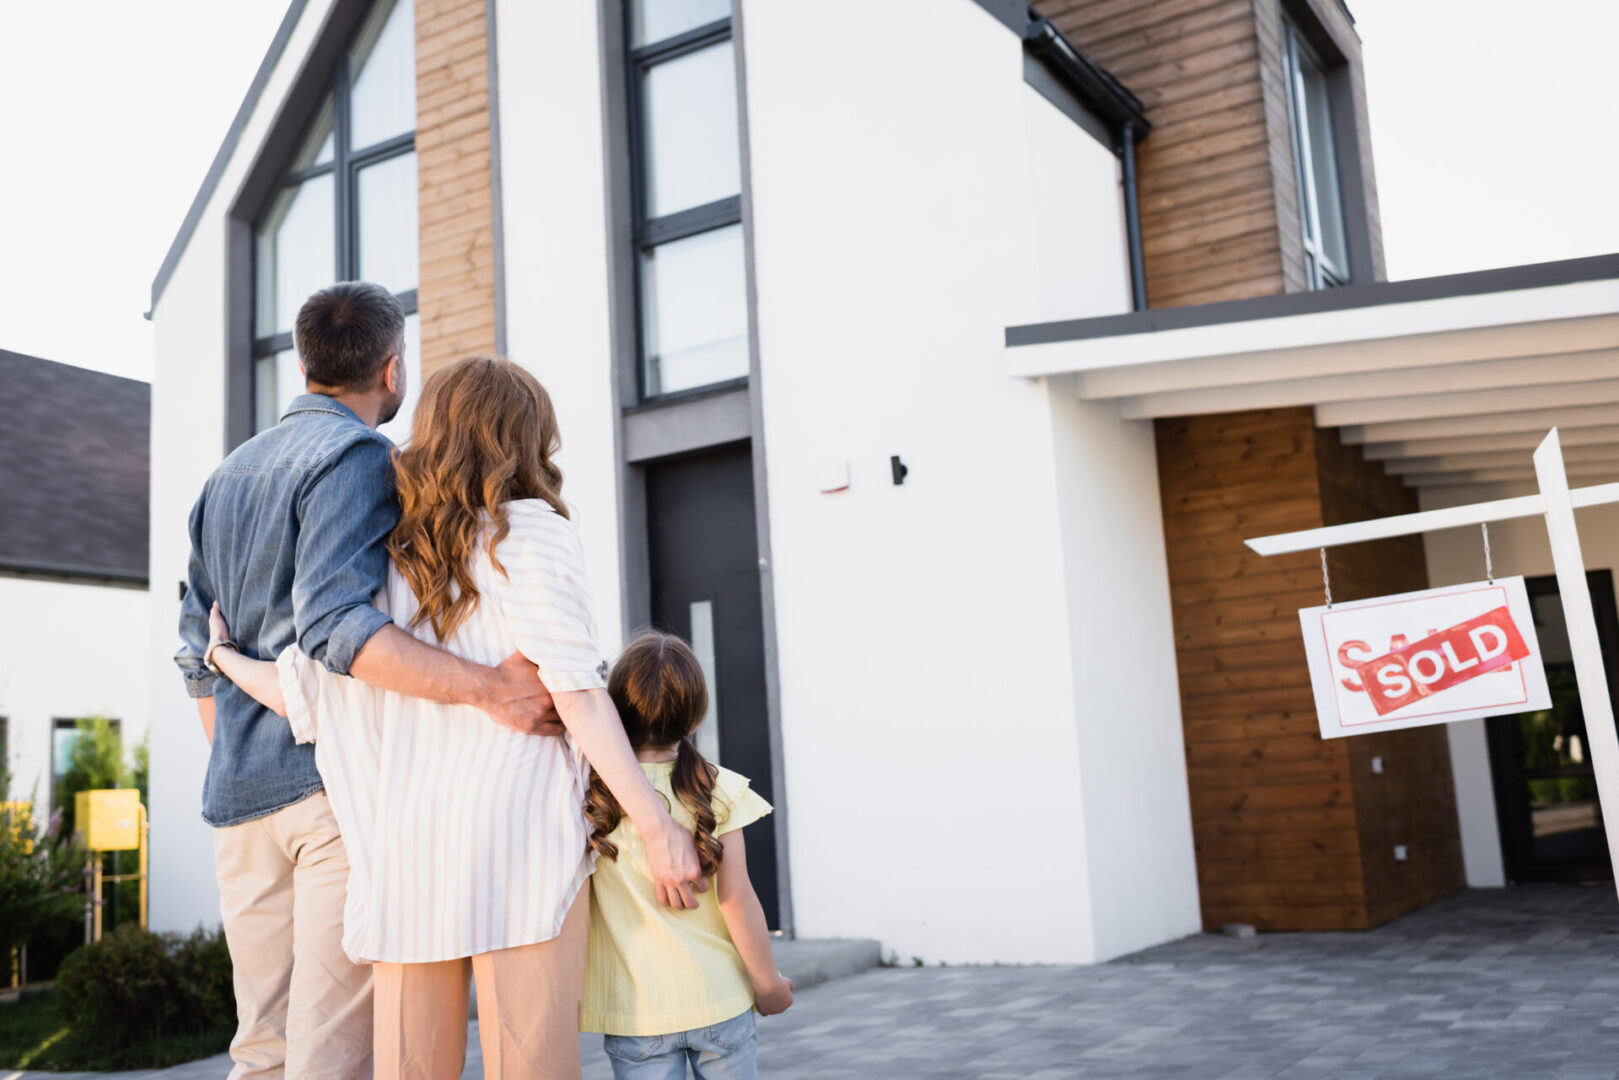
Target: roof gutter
1124,115
1120,109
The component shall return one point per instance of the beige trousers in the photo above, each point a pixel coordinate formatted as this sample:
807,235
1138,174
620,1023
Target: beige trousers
303,1010
528,1010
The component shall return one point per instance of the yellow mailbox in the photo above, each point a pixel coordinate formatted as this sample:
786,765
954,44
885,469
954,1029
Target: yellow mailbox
110,820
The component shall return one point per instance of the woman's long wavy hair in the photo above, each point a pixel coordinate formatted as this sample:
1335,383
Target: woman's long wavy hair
658,688
484,433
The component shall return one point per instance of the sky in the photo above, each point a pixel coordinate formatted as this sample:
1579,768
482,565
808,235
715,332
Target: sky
1495,133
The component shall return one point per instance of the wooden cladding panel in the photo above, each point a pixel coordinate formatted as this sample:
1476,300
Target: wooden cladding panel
1273,816
1292,832
1208,201
1220,213
455,193
1413,801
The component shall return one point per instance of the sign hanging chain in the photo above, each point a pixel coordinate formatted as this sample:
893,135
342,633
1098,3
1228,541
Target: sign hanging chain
1326,581
1489,573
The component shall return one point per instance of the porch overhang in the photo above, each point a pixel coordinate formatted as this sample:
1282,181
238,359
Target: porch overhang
1447,380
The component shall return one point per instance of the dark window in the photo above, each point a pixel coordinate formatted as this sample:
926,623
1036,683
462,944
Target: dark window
345,208
691,276
1321,203
64,734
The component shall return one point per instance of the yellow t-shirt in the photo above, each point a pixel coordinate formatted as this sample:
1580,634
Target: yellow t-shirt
654,970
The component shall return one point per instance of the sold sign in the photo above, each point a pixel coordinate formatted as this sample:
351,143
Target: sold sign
1486,662
1467,650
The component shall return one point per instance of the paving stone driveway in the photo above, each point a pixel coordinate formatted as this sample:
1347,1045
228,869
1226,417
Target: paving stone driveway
1516,984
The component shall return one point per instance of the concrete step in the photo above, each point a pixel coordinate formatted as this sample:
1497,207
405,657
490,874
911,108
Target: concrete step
809,961
806,961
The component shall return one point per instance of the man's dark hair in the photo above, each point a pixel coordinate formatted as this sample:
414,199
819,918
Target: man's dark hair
346,332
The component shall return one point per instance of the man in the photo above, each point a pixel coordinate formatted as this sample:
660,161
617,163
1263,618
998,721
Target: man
289,537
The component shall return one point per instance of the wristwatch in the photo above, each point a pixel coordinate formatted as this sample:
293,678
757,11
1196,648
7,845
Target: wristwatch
208,657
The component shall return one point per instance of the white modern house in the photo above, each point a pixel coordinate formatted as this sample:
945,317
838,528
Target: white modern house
73,531
926,373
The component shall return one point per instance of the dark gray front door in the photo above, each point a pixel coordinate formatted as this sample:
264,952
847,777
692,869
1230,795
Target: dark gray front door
1552,826
705,587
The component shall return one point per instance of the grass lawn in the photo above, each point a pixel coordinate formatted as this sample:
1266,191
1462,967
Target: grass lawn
32,1036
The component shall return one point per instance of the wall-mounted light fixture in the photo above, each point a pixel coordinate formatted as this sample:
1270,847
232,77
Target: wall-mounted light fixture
899,469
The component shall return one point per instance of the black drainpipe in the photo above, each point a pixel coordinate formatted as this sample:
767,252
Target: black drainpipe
1132,220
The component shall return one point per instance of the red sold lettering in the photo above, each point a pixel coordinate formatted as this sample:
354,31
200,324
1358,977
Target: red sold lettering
1443,659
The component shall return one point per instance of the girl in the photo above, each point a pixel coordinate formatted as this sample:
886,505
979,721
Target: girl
667,987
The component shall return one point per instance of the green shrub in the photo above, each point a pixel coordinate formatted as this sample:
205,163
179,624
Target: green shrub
41,878
134,986
205,972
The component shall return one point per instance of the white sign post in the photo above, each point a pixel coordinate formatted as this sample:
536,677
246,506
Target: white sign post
1557,503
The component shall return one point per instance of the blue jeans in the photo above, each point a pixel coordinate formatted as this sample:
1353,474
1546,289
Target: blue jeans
728,1050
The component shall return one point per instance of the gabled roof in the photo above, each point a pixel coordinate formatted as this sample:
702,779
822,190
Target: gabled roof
216,171
74,452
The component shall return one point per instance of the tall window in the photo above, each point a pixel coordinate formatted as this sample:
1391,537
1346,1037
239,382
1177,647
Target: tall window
1321,205
688,194
346,208
65,735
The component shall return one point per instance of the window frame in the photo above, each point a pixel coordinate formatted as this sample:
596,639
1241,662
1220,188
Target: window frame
648,232
345,167
71,723
1321,272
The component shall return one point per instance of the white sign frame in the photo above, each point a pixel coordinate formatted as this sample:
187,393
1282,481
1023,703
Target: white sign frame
1558,504
1382,624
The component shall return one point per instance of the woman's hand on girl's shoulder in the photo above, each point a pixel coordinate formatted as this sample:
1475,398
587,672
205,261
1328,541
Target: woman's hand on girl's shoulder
773,1000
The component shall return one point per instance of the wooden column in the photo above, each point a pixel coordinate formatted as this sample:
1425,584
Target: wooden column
1293,832
456,297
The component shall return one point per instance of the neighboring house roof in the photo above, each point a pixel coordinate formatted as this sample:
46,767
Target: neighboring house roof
74,453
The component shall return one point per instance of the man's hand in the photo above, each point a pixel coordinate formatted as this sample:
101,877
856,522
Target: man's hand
672,856
514,697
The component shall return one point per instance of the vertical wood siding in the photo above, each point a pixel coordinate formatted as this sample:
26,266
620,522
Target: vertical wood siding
1219,199
456,297
1208,197
1293,832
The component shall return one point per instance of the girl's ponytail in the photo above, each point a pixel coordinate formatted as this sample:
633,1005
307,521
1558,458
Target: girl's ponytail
693,784
604,814
658,689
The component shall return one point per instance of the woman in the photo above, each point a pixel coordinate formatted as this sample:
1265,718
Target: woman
468,842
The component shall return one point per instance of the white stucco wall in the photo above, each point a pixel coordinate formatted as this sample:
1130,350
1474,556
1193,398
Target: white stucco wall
557,318
188,438
958,786
43,677
968,777
1516,547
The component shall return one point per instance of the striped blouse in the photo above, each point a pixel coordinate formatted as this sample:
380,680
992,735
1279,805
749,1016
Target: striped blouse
463,836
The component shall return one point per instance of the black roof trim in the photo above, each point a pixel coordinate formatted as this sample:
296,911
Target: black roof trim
1087,79
1079,74
90,574
1530,276
216,171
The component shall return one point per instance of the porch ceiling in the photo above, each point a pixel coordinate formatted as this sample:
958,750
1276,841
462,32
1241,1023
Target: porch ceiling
1447,381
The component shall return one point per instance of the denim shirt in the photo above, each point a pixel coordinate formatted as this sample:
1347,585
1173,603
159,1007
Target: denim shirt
289,535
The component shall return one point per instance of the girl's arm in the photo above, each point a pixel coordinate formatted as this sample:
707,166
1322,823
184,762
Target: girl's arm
593,722
745,919
258,678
